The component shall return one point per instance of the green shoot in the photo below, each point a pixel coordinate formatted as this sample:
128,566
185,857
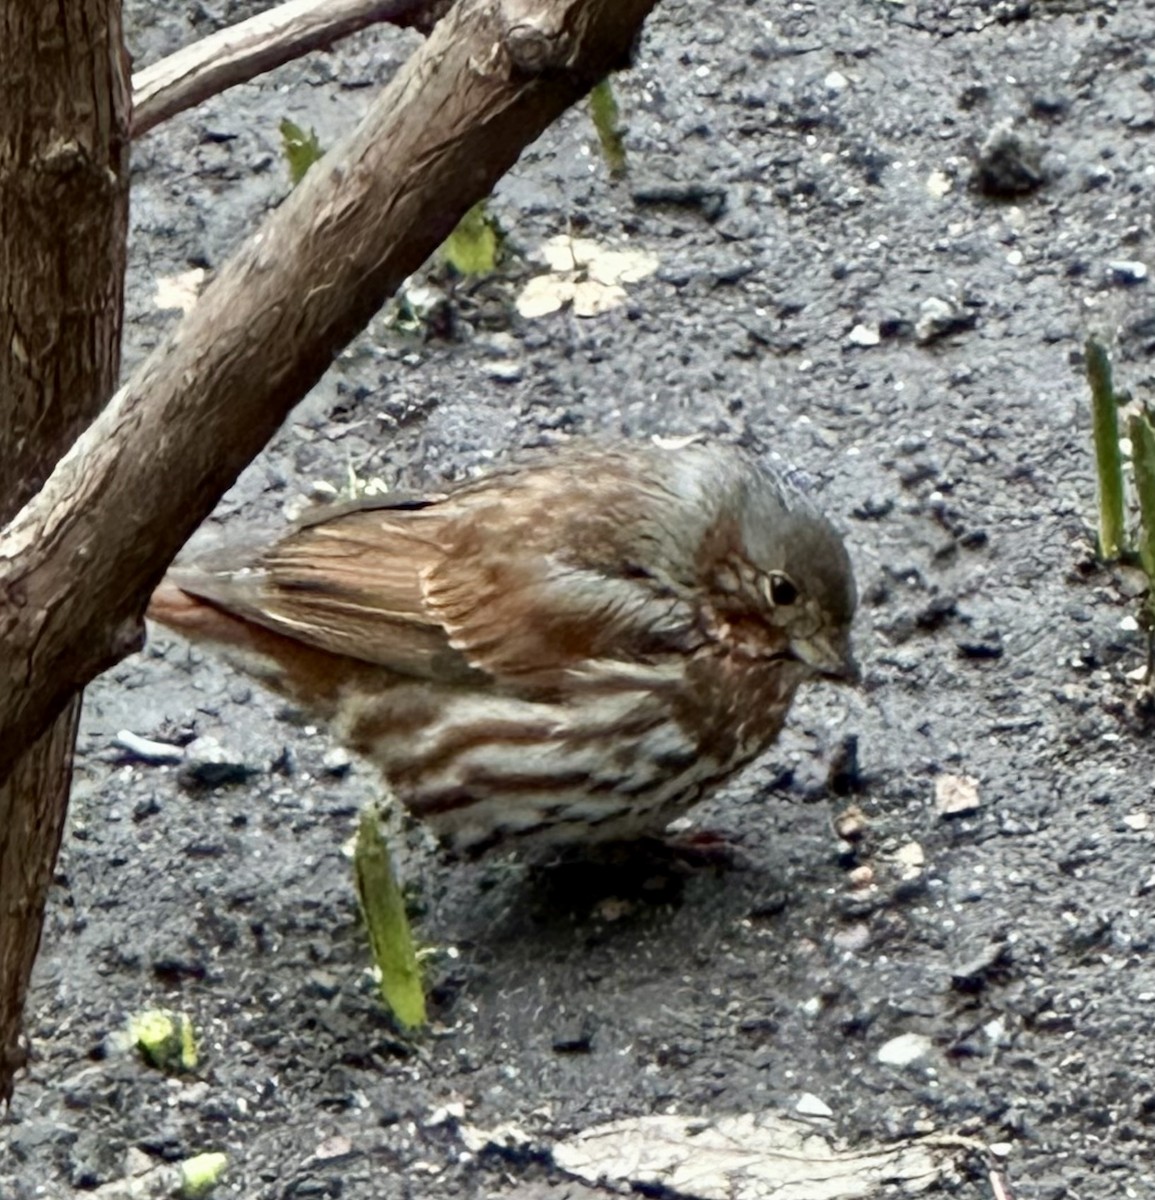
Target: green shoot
301,149
471,249
390,937
1108,458
1142,433
604,111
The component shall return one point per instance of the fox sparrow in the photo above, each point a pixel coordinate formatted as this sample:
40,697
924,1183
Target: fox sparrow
564,652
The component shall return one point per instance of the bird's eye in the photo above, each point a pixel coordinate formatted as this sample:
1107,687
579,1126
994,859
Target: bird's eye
783,591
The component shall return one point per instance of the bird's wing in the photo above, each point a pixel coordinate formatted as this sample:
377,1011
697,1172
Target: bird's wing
446,589
533,617
348,581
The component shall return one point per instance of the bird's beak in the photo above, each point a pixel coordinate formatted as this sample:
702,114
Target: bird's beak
829,661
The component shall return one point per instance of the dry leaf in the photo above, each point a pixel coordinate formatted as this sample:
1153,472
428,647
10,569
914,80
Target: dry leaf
585,274
591,299
544,294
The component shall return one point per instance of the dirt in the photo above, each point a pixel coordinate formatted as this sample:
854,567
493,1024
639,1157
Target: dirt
839,145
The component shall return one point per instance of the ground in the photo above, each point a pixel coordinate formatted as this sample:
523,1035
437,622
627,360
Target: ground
805,176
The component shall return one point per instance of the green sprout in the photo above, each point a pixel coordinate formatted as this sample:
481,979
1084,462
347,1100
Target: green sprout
301,149
1142,433
607,122
166,1040
1108,456
1113,541
472,248
390,937
200,1174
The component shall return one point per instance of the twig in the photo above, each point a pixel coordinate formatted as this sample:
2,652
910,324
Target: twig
1000,1189
250,48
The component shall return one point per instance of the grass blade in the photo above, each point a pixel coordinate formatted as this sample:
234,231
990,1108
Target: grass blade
1108,459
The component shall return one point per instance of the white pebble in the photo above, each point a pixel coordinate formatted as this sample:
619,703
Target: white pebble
864,335
904,1050
809,1105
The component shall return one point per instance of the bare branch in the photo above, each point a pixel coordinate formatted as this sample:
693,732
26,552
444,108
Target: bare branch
250,48
78,563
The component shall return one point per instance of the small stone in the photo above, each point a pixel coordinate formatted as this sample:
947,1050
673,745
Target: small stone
1050,106
904,1050
864,335
322,984
504,371
990,647
955,795
148,807
1008,165
938,184
1137,821
166,1039
911,858
988,964
873,509
851,824
939,318
853,938
1126,271
612,908
209,764
860,877
336,762
578,1040
911,474
335,1147
810,1105
934,313
201,1173
1097,176
453,1111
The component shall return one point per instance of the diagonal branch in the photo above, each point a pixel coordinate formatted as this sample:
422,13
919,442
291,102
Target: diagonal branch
270,39
79,561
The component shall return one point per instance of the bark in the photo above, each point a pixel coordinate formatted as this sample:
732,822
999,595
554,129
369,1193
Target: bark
250,48
78,563
64,98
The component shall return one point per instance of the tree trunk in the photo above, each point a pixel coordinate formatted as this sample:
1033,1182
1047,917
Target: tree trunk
64,121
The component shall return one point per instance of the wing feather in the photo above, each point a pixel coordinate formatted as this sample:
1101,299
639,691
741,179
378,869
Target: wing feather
526,576
350,585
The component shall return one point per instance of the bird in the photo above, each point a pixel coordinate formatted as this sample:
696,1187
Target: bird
571,649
